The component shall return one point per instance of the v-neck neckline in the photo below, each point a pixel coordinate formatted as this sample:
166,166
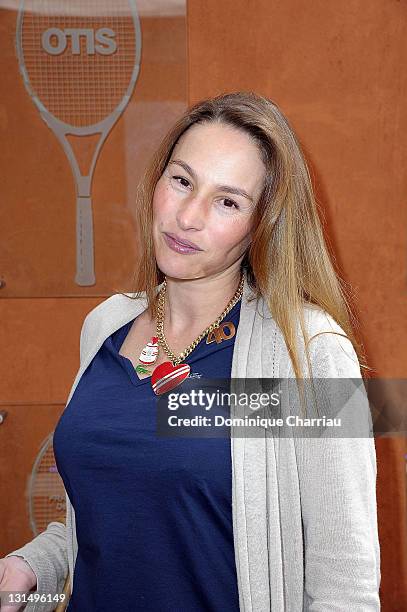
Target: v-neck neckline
118,337
128,364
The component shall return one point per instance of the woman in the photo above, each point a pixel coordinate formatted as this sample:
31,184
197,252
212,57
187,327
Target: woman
246,522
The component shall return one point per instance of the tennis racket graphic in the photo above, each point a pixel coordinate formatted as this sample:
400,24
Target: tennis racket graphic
46,499
46,492
79,60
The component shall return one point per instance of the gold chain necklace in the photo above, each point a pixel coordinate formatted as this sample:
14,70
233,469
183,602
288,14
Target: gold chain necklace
171,373
160,324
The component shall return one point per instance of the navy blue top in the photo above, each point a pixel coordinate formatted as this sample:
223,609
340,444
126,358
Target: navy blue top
153,514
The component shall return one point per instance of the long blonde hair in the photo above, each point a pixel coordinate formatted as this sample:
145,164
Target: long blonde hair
287,262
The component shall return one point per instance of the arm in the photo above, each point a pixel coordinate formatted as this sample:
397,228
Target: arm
47,556
338,498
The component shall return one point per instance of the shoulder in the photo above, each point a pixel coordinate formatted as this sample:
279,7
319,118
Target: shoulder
116,304
108,306
106,314
331,351
93,316
318,321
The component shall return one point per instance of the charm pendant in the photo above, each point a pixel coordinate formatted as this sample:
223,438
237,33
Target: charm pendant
149,353
142,370
148,356
167,376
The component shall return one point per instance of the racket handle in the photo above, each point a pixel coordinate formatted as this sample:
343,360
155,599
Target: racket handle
85,273
62,606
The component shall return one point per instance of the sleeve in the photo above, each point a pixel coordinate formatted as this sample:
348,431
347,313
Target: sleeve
337,478
47,556
47,553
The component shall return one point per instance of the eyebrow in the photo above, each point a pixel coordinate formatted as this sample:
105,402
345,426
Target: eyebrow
227,188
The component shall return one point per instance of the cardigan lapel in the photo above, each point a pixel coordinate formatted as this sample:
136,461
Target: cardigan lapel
255,522
264,477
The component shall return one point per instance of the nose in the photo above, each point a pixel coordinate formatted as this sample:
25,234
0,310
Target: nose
191,213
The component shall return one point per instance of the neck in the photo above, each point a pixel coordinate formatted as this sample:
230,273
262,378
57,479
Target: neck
194,304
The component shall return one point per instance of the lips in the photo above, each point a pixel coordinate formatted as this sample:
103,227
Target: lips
183,242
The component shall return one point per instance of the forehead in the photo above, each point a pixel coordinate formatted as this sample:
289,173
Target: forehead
221,154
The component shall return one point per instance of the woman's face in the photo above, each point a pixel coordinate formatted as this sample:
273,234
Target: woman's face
207,195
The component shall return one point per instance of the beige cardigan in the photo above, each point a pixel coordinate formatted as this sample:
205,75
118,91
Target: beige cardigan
304,510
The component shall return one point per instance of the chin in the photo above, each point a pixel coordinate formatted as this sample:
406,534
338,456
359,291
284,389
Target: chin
175,270
180,272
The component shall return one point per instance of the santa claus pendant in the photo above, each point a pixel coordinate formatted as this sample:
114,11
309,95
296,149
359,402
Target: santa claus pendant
167,376
148,356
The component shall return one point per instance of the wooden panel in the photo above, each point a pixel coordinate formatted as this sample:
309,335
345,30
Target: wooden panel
40,348
392,509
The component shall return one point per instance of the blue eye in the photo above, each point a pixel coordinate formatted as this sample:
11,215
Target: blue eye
232,202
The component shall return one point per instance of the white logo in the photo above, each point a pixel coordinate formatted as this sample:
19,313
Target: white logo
55,41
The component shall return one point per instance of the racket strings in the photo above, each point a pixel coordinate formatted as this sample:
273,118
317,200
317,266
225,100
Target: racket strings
78,88
47,496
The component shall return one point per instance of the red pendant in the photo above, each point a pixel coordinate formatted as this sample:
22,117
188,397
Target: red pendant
167,376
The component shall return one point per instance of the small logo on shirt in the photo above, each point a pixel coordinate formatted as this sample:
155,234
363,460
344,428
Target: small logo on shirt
195,375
